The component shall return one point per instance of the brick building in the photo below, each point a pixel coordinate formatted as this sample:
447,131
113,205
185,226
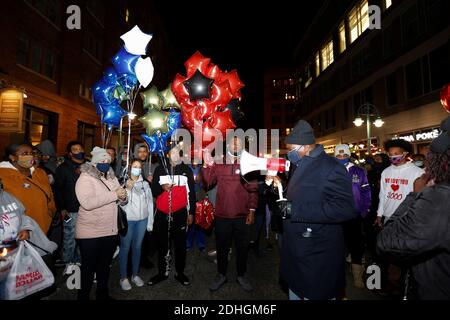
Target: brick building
55,67
280,94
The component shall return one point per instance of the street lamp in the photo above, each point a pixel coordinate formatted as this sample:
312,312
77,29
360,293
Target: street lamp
368,110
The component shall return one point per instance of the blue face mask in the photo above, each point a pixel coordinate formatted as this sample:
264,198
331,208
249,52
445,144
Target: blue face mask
103,167
136,172
78,156
344,161
293,156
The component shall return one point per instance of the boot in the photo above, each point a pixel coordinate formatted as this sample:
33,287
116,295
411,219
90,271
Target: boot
357,271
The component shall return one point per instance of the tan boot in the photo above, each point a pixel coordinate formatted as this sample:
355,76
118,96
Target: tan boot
357,271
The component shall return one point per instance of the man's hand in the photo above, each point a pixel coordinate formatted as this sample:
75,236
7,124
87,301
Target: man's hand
250,217
378,222
150,178
166,187
190,219
121,194
23,235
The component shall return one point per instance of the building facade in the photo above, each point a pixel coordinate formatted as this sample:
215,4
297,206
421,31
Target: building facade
280,94
344,62
54,67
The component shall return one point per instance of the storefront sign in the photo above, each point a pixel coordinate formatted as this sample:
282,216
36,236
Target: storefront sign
420,135
11,110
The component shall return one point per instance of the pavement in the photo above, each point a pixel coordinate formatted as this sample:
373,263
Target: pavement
201,270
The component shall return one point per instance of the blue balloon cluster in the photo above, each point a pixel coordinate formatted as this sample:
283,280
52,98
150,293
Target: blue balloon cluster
121,74
157,143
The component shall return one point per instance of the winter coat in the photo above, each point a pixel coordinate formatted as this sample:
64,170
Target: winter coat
66,177
235,196
179,170
35,193
13,220
140,203
361,189
312,255
97,216
418,235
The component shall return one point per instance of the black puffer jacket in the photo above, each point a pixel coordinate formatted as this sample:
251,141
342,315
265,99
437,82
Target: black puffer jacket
418,235
66,177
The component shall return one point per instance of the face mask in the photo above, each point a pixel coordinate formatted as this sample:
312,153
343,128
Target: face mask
418,163
78,156
25,161
344,161
396,159
136,172
103,167
293,155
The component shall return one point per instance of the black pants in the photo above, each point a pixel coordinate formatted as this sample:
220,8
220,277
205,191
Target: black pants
177,235
226,231
96,257
354,239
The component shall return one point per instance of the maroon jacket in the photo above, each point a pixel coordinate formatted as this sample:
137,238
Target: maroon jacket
235,197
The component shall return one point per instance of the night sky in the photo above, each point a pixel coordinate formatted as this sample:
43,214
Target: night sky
246,38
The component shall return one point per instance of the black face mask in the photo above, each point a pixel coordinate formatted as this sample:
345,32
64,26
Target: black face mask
78,156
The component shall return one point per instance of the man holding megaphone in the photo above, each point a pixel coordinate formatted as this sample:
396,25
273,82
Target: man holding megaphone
236,203
319,194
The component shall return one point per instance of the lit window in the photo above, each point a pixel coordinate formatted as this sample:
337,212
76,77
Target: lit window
288,130
127,15
358,20
274,83
342,44
387,4
327,55
317,63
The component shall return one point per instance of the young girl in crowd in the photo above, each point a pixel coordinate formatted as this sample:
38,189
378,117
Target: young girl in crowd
139,210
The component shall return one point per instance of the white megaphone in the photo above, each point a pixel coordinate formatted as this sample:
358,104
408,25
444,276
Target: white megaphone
251,163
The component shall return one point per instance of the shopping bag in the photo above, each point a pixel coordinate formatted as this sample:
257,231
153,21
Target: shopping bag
29,274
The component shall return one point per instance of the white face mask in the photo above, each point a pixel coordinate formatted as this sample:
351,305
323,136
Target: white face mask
136,172
418,163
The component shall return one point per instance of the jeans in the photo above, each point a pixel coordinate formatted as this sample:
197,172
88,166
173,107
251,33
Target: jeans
70,248
195,232
133,240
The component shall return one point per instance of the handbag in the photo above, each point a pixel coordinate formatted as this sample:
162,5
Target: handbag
122,222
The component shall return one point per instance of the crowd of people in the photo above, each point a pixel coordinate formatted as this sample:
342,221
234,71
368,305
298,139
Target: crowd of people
391,211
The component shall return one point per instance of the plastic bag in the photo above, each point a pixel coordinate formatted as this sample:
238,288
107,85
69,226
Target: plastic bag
29,274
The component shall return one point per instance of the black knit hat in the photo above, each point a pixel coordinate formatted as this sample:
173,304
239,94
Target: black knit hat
442,143
302,134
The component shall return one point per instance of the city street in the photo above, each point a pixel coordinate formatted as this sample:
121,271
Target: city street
201,270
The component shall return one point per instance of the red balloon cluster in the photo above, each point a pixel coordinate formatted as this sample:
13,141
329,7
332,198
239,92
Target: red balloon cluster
445,97
219,89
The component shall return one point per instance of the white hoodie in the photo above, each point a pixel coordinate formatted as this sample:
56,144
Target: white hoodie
396,183
140,203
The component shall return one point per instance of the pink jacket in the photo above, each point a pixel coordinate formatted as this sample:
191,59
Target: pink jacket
97,216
